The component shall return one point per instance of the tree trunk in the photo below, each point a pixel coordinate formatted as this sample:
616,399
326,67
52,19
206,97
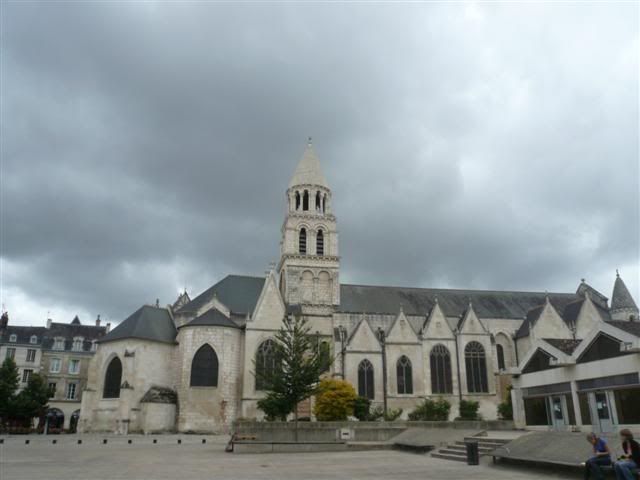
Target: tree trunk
295,417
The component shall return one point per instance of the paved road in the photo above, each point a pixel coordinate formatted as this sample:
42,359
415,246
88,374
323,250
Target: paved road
192,460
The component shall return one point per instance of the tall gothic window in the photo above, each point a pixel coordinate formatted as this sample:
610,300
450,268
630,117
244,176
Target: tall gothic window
440,362
324,350
320,243
318,201
404,374
302,241
476,364
265,363
365,379
297,200
204,367
500,354
305,200
112,379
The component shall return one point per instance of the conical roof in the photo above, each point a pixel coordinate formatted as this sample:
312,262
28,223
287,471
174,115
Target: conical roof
621,298
308,171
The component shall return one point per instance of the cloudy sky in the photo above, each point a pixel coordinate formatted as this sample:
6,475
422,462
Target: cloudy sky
146,147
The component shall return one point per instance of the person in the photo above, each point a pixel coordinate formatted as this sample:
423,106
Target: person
601,457
630,459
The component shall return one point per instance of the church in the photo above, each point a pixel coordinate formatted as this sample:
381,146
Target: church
189,366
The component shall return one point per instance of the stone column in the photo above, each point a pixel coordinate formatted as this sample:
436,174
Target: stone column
576,404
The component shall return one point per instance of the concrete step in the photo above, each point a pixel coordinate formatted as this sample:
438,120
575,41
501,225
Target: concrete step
463,448
492,441
364,446
450,456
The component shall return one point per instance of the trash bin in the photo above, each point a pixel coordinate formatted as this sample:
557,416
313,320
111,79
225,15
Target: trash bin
473,455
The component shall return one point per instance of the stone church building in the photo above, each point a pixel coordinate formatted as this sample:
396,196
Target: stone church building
190,366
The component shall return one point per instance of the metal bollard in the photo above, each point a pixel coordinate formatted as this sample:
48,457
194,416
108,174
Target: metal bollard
104,441
79,442
129,441
179,441
204,440
155,440
54,441
26,442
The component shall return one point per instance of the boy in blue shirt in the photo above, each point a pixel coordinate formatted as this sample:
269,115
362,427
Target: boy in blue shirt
601,457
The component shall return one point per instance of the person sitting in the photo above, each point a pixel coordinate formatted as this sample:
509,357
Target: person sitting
631,457
601,457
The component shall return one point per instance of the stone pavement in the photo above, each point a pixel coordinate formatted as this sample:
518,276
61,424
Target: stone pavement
192,460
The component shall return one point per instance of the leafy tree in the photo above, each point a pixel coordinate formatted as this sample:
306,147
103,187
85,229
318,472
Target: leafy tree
298,365
32,400
431,410
9,381
334,400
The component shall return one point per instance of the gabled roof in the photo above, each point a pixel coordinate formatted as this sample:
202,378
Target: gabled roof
621,297
308,171
212,317
69,331
146,323
238,292
420,301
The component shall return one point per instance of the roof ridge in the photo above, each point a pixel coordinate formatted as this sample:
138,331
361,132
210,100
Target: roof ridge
457,289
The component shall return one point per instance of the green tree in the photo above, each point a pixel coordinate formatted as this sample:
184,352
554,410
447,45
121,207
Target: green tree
9,381
32,400
505,409
298,365
334,400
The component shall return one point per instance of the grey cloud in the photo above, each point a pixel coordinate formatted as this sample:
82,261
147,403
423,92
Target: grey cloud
148,147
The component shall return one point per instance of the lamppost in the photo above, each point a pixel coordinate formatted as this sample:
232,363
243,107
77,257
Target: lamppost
382,338
342,331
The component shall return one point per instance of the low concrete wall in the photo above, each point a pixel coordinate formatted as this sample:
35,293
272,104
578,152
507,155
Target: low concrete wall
288,447
358,431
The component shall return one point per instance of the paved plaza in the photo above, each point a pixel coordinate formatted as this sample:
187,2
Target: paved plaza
193,460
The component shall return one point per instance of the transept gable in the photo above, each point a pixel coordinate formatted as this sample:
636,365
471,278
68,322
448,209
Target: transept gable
363,338
470,323
401,330
436,324
270,308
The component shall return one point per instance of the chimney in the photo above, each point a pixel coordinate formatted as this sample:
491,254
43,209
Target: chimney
98,320
4,321
49,323
108,327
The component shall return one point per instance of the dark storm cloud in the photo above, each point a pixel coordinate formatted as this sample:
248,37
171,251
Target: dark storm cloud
147,147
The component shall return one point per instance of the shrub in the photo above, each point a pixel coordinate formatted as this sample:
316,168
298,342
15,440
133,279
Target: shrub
505,409
431,410
361,408
334,401
469,410
392,414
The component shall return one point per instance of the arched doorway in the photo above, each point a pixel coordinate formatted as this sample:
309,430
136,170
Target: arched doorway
73,421
54,419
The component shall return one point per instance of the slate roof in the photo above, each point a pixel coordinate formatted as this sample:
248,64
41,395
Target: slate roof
23,334
146,323
212,317
567,346
621,297
238,292
630,327
71,330
419,301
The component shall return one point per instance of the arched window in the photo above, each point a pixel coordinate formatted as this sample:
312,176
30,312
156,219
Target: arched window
305,200
324,350
440,361
318,201
302,241
476,364
500,354
324,203
204,367
405,375
320,243
365,379
297,200
265,363
113,379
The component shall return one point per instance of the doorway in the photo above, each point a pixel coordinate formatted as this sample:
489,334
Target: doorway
601,414
557,412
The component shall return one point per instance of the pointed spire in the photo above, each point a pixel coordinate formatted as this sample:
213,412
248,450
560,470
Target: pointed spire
308,171
621,298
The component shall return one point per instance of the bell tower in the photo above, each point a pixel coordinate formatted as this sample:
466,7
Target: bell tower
309,262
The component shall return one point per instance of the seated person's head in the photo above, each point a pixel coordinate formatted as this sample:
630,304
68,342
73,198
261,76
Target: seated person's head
592,438
626,435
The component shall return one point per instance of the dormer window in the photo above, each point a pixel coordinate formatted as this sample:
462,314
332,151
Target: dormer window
77,344
13,338
94,345
58,343
33,339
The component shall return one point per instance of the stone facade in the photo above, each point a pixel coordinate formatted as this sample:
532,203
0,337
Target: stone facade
456,344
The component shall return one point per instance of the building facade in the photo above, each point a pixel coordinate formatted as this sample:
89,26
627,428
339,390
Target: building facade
191,366
61,352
